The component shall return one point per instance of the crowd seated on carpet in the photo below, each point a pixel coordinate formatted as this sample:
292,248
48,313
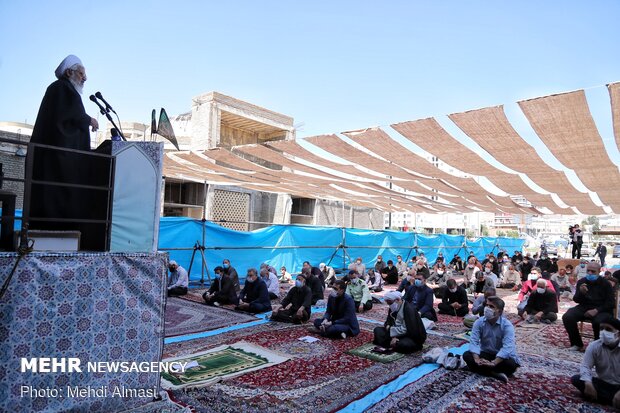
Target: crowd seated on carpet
179,280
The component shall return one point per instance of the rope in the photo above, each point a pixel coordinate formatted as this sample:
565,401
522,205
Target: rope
22,251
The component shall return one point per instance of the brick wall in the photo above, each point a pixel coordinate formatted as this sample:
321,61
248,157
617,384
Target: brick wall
13,166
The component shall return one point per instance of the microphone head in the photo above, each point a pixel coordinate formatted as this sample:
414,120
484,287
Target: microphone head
98,94
92,97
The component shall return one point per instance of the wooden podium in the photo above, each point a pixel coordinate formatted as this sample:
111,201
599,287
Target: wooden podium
137,194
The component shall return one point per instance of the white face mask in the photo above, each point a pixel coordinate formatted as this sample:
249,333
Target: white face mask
489,312
440,272
487,270
471,266
420,267
532,277
394,306
608,338
541,290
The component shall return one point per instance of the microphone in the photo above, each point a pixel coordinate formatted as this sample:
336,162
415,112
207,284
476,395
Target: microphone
107,105
103,111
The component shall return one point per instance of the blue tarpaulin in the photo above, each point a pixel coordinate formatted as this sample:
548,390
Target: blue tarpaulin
291,245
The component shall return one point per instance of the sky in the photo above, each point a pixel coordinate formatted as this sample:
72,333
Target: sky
332,65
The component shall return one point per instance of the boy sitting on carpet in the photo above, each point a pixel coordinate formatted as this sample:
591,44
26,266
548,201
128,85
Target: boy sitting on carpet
254,296
603,356
339,320
296,305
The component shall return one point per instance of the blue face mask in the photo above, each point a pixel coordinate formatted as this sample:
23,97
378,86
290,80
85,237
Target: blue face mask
418,283
591,277
217,275
298,283
225,265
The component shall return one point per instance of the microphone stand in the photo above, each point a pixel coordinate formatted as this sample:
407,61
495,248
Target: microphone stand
106,112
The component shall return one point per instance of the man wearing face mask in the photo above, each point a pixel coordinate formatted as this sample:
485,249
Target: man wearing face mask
401,266
296,306
379,264
358,290
454,301
492,350
222,290
232,274
561,279
315,285
421,296
339,320
542,306
511,278
603,356
254,296
421,268
528,287
477,308
581,269
470,272
595,301
525,267
403,330
358,266
389,273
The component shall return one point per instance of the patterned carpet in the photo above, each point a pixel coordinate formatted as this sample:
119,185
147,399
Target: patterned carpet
185,317
323,377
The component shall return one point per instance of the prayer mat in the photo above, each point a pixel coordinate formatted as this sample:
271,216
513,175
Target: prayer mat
220,363
463,336
186,317
365,351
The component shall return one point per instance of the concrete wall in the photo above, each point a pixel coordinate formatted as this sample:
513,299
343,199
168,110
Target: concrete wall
330,213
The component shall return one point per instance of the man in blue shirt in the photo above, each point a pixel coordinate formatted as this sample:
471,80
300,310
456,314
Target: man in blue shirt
492,350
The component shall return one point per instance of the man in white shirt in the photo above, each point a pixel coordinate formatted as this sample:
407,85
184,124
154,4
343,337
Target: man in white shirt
179,280
603,356
273,285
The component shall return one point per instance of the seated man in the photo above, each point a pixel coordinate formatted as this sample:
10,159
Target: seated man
254,296
316,271
528,287
403,330
511,278
470,272
358,266
401,266
380,264
285,276
595,300
296,307
375,281
492,351
561,279
581,269
481,283
489,274
273,285
421,296
389,273
421,268
329,275
454,301
542,306
315,285
480,302
232,273
457,263
339,320
179,280
407,281
438,273
358,290
604,357
222,290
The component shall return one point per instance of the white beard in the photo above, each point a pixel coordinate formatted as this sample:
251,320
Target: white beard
79,87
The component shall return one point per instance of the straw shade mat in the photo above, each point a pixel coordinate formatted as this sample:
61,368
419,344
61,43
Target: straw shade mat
490,128
564,123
